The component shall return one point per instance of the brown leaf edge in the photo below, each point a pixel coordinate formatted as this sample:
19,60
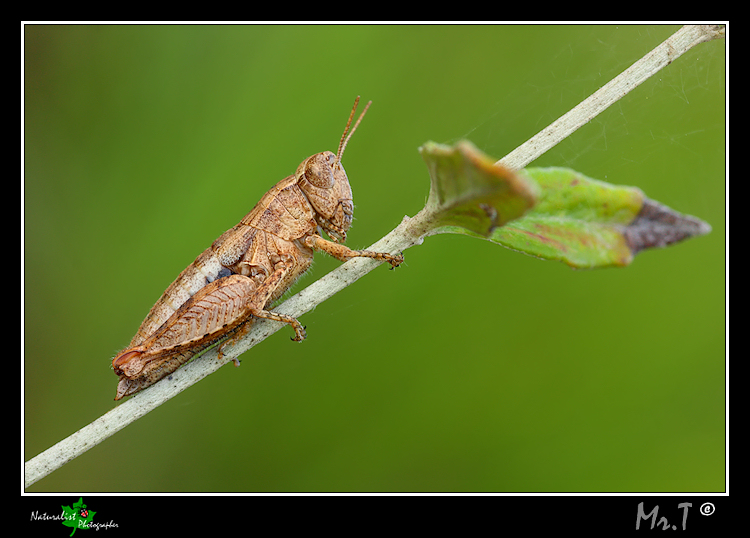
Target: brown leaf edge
657,226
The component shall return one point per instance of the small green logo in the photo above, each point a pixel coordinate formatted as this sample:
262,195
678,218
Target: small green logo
78,517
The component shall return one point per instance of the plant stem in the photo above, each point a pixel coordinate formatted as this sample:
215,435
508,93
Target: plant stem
410,232
407,234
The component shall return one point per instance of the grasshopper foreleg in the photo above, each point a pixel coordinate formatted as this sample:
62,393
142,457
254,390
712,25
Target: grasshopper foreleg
344,253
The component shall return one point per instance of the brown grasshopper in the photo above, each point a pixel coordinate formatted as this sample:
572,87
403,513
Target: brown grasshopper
227,287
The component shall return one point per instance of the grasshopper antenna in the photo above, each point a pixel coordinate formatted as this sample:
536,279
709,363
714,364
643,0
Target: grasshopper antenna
347,133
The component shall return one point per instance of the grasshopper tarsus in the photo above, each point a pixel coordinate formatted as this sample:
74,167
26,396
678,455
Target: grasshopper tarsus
247,268
299,336
396,261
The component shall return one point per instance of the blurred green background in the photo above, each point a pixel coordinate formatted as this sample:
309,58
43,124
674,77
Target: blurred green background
469,368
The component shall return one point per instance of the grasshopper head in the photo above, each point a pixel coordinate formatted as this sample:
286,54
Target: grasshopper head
323,180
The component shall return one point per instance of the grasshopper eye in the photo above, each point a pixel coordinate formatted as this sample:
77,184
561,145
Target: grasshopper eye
318,171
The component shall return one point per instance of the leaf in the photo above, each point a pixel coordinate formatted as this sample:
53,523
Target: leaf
73,518
550,213
588,223
470,191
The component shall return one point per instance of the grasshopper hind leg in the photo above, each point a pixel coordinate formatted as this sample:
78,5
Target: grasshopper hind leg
256,309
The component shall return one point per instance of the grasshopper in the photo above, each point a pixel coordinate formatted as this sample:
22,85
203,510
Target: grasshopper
218,296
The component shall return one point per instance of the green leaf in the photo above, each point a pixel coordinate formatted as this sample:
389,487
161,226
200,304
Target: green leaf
468,190
551,213
588,223
73,518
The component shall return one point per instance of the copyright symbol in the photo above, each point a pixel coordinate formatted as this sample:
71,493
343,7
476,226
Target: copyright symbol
707,509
